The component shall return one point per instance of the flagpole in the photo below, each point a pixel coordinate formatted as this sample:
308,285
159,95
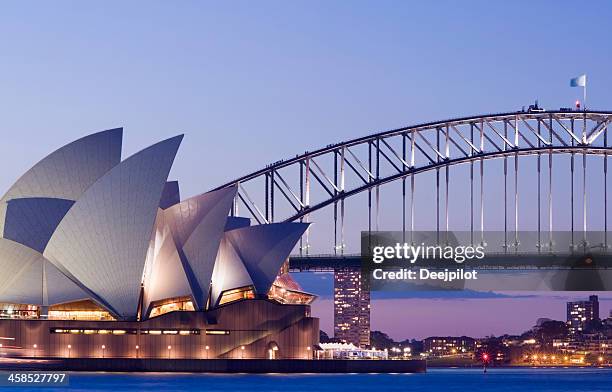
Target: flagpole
584,95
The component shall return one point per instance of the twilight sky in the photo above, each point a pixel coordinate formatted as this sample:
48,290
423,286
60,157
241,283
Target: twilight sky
250,83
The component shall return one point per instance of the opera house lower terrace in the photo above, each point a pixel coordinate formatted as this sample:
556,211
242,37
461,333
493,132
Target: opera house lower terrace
99,257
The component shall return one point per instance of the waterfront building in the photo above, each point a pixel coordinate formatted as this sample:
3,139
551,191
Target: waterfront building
351,308
579,313
584,344
349,351
101,258
439,346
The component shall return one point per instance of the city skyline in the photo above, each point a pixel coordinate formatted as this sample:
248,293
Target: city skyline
423,314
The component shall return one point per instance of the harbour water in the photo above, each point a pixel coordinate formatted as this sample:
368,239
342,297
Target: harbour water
496,379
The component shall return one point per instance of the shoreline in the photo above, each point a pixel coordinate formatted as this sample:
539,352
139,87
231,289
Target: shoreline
254,366
251,366
476,366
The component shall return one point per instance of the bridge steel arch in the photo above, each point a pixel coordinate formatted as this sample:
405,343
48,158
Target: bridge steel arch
339,171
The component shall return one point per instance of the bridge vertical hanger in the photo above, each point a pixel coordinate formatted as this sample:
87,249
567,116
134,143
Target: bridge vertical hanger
338,191
369,193
481,183
584,200
271,196
302,202
472,186
437,187
584,184
550,187
377,178
404,190
342,201
266,198
412,141
539,192
516,146
505,189
572,185
516,191
447,167
307,203
605,161
335,202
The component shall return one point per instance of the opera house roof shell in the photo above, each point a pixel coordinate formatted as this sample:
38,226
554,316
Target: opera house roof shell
84,225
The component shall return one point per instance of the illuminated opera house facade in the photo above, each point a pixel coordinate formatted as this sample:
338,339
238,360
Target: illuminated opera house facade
99,257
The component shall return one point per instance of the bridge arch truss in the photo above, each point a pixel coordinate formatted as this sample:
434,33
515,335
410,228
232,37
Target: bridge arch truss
292,189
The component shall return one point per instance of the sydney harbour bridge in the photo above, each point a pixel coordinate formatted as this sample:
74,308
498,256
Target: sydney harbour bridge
539,171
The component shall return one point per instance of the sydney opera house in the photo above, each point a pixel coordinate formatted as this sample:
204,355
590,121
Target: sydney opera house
99,257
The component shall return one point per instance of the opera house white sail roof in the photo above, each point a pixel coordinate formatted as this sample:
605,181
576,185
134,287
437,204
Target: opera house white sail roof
84,225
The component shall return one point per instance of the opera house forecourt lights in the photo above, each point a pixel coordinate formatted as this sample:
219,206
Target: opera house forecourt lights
99,257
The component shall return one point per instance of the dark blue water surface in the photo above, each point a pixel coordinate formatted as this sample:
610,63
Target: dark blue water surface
498,380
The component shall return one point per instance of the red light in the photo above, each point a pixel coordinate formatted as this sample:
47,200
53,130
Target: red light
578,103
485,357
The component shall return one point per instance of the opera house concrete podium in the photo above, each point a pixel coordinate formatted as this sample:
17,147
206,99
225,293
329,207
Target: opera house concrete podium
99,257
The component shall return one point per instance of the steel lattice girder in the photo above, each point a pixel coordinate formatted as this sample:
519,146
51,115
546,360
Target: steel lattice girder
425,147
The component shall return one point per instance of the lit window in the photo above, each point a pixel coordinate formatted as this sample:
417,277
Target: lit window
217,332
228,296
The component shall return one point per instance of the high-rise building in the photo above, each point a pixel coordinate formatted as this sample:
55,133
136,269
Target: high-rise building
351,308
579,313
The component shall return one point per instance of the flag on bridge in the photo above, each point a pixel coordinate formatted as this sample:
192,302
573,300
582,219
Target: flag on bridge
579,81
